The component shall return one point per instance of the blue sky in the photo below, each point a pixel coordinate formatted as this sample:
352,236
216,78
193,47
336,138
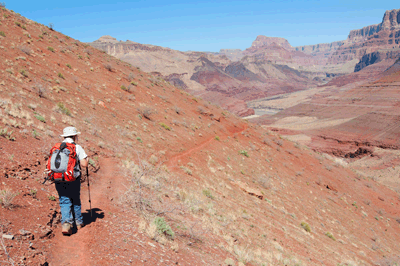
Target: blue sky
205,25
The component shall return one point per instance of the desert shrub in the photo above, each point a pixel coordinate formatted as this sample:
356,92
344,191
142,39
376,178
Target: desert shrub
69,66
60,75
26,50
35,134
51,26
123,87
63,109
217,138
265,181
40,118
187,170
52,198
146,112
51,49
165,126
279,142
6,198
305,226
163,227
177,110
2,34
23,73
40,90
201,110
108,67
243,152
7,135
328,234
208,194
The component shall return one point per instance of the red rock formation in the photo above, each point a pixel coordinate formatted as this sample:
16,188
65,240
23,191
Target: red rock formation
262,40
385,35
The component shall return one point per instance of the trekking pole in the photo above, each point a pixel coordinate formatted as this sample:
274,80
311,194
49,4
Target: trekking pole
88,185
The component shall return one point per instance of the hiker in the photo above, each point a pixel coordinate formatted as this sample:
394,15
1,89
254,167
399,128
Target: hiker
69,191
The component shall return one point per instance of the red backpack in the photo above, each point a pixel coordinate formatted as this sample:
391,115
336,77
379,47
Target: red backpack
63,163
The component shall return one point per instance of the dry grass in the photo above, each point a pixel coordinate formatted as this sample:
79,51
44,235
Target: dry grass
146,112
6,198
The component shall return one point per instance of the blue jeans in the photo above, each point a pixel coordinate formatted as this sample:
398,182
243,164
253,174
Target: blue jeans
69,194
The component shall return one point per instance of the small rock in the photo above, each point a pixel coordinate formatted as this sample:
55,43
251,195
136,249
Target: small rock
11,237
2,83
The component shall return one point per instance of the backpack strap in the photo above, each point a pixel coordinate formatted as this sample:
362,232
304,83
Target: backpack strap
63,145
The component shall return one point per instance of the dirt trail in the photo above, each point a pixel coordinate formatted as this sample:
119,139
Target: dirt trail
173,161
75,249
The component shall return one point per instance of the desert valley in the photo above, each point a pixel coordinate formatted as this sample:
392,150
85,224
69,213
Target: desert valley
272,155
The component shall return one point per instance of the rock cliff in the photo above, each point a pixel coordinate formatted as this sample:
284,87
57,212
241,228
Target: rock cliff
363,34
376,57
385,35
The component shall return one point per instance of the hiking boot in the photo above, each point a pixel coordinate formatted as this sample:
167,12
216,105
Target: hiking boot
80,226
66,229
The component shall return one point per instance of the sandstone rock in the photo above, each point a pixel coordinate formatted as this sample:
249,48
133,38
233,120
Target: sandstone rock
262,40
249,190
11,237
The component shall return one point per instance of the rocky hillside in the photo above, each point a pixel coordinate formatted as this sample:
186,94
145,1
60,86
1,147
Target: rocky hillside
175,180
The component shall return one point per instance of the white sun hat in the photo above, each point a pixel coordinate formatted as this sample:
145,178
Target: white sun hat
70,131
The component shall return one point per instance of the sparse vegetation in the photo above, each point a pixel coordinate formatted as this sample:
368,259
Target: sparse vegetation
60,75
69,66
145,112
7,135
6,198
208,194
2,34
33,193
165,126
109,67
92,163
23,73
63,109
217,138
35,134
163,227
26,50
187,170
177,110
40,118
243,152
52,198
328,234
51,49
305,226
